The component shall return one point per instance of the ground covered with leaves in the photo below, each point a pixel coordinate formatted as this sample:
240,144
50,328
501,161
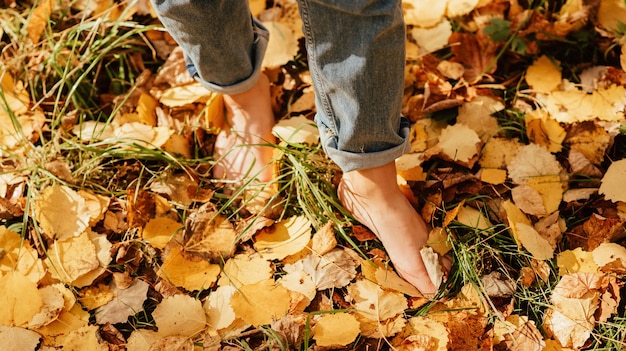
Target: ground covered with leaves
114,235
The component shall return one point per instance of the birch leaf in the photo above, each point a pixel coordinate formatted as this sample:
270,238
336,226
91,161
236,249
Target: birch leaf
62,213
126,302
285,238
337,329
15,288
245,269
18,339
179,315
261,303
186,272
614,182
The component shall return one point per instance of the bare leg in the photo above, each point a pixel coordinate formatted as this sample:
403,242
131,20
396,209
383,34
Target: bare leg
374,199
243,149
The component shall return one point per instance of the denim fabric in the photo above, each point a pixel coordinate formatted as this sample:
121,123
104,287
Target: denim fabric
356,51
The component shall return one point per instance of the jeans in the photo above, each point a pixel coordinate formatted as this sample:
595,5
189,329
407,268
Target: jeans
356,55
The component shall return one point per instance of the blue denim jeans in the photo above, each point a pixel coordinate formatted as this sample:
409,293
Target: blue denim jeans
356,53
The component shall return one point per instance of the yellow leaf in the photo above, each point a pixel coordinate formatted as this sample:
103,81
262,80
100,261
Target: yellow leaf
84,338
179,315
39,20
18,339
103,253
610,254
478,115
324,239
185,94
282,46
97,205
338,329
189,274
423,13
538,246
458,8
432,38
261,303
498,152
19,298
62,213
69,259
55,333
614,182
146,109
53,305
493,175
473,218
285,238
610,13
408,167
518,334
210,235
218,310
426,334
544,131
141,340
297,130
576,261
158,231
459,143
374,303
301,282
543,75
438,239
93,297
571,320
245,269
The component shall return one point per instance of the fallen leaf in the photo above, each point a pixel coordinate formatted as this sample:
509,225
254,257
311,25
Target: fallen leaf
576,261
335,269
458,8
590,139
125,302
610,254
498,285
432,38
478,115
571,320
423,13
545,131
433,266
14,289
210,235
141,340
62,213
374,303
187,271
337,329
285,238
282,46
217,306
159,230
297,130
473,218
538,246
180,315
439,239
84,338
53,304
459,143
70,259
18,339
324,239
261,303
92,297
245,269
614,182
498,152
425,333
544,75
517,333
54,334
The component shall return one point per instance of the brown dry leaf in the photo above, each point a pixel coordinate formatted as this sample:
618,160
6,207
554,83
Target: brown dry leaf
602,230
579,285
529,200
179,315
245,269
544,131
125,302
459,143
218,310
590,139
498,285
261,303
614,182
187,271
576,261
62,213
18,339
531,162
610,255
84,338
210,235
374,303
579,164
324,239
337,329
20,298
544,75
284,238
476,52
159,230
478,115
335,269
517,333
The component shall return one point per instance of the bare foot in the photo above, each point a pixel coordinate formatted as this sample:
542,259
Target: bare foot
243,148
374,199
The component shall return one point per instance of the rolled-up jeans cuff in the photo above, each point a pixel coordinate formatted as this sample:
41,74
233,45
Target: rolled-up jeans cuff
352,161
261,39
